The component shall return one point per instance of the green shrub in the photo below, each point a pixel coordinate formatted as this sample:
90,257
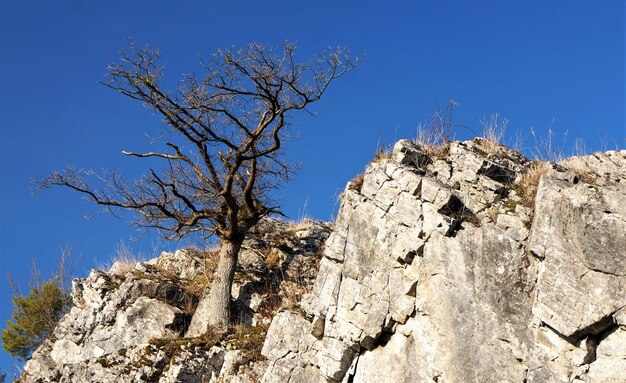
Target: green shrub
34,318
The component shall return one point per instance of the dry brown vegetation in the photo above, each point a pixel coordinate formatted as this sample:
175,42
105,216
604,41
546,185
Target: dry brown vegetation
434,135
173,346
545,152
429,140
493,133
583,173
546,148
123,260
357,182
273,258
527,187
248,339
210,258
382,153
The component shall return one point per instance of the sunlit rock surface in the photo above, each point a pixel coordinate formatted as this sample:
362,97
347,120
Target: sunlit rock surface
128,323
436,272
437,269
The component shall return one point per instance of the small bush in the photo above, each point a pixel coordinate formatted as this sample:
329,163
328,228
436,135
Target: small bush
510,205
36,315
34,318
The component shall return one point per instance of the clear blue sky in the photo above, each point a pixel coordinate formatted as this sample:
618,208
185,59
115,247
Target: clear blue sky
529,61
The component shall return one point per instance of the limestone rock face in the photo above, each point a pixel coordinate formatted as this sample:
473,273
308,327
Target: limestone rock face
436,272
439,268
128,323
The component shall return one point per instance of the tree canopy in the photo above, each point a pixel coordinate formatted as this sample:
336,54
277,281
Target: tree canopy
223,153
224,150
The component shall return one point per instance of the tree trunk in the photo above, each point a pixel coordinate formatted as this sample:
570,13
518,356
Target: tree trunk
214,307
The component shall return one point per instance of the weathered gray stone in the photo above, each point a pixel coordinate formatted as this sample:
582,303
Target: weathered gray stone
182,263
610,363
410,289
289,346
126,323
432,273
580,231
196,366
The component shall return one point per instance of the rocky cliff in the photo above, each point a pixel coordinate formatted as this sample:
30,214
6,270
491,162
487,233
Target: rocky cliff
469,264
128,323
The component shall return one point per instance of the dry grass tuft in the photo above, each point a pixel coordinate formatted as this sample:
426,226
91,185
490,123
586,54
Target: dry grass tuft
199,284
292,292
578,166
430,138
302,223
435,135
357,182
123,260
545,151
382,153
493,132
428,143
580,148
210,256
527,187
545,148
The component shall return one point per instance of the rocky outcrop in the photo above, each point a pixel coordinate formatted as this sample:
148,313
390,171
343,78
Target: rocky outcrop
436,272
128,323
448,265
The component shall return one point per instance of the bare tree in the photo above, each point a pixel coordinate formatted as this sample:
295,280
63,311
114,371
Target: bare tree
224,153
